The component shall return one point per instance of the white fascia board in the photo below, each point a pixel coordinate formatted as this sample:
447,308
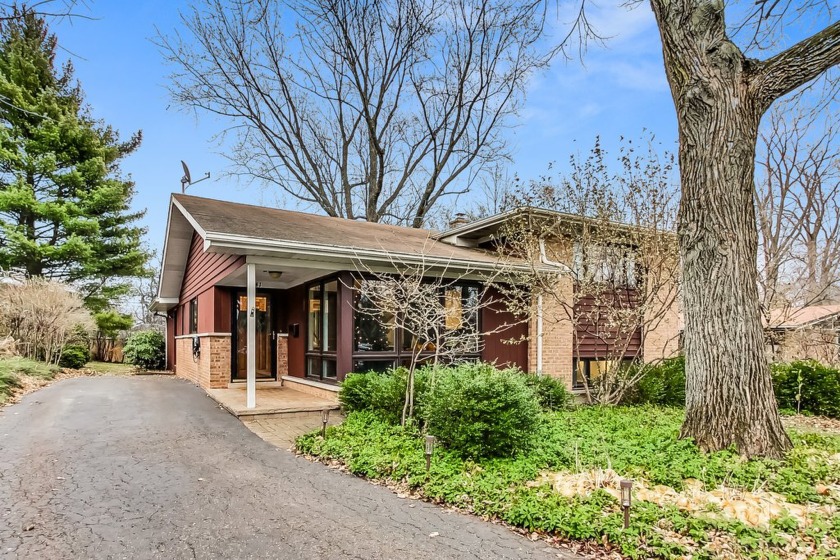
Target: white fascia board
315,250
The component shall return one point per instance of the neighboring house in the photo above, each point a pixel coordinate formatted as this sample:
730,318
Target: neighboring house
299,271
801,333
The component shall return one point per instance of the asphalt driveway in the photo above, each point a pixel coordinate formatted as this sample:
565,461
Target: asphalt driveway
149,467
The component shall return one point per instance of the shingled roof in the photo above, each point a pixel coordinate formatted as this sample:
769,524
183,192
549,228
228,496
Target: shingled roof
219,219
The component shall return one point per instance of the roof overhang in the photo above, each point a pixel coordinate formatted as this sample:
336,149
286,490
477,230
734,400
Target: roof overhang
181,227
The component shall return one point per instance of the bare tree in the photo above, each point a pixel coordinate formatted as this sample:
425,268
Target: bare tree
720,95
604,262
365,109
798,209
434,308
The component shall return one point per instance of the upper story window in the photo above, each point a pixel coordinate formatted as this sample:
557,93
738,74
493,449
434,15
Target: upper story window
606,264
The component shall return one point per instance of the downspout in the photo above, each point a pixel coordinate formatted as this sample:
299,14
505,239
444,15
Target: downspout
539,334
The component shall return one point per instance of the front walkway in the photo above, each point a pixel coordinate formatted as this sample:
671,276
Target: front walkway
283,429
270,400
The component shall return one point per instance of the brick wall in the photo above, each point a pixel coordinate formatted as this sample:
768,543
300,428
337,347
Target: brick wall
557,340
212,368
282,356
661,338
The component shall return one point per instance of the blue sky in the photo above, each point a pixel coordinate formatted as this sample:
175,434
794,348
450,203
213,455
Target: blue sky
617,90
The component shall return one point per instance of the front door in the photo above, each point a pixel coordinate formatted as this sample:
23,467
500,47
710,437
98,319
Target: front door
265,334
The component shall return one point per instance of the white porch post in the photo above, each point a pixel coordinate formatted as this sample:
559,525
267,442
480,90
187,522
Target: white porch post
251,399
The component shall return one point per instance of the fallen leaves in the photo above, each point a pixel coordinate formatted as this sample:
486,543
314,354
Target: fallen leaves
753,508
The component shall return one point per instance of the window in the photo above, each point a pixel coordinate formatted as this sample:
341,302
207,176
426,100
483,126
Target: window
373,329
608,264
322,330
591,369
379,344
194,315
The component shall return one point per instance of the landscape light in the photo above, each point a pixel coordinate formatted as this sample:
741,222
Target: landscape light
430,449
325,417
626,491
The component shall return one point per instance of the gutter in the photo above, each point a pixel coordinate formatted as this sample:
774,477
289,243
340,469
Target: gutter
319,250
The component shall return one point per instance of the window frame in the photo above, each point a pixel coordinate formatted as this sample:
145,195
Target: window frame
320,355
193,316
400,355
587,371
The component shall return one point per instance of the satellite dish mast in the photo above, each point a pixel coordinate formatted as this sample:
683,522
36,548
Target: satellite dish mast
186,180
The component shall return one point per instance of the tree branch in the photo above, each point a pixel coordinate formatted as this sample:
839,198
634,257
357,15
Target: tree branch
798,65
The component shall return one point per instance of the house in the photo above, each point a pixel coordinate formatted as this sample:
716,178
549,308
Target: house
255,294
801,333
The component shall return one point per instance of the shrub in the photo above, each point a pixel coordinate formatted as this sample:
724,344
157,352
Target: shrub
807,386
146,350
551,393
382,393
74,356
42,315
662,384
479,411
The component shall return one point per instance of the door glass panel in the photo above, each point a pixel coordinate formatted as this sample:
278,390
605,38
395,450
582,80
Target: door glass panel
314,330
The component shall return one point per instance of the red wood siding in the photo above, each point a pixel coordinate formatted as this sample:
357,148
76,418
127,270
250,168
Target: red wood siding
595,338
202,272
495,317
205,269
222,310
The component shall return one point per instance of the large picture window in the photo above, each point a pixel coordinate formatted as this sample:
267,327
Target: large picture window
379,344
322,330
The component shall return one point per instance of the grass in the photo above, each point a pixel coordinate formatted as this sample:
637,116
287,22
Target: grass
637,442
13,368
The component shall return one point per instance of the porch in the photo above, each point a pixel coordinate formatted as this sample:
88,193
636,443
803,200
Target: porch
273,400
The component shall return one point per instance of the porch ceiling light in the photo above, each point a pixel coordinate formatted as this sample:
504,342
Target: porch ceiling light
275,274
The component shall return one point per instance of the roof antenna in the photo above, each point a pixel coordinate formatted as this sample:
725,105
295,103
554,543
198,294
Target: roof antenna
186,180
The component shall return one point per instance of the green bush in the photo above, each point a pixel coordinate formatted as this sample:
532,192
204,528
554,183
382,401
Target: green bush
551,393
146,350
479,411
807,386
382,393
74,356
662,384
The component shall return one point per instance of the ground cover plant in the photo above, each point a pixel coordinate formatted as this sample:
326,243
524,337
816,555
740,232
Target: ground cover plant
564,485
14,371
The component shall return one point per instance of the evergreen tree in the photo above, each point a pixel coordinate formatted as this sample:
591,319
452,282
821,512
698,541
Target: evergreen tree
64,205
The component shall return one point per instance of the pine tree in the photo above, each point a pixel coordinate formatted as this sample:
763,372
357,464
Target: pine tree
64,205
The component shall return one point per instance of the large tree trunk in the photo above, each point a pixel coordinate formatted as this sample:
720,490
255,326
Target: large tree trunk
729,394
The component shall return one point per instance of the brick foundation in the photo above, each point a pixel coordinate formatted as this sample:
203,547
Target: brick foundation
212,368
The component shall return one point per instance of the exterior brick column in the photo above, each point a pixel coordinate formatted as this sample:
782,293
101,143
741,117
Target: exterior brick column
282,355
212,368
